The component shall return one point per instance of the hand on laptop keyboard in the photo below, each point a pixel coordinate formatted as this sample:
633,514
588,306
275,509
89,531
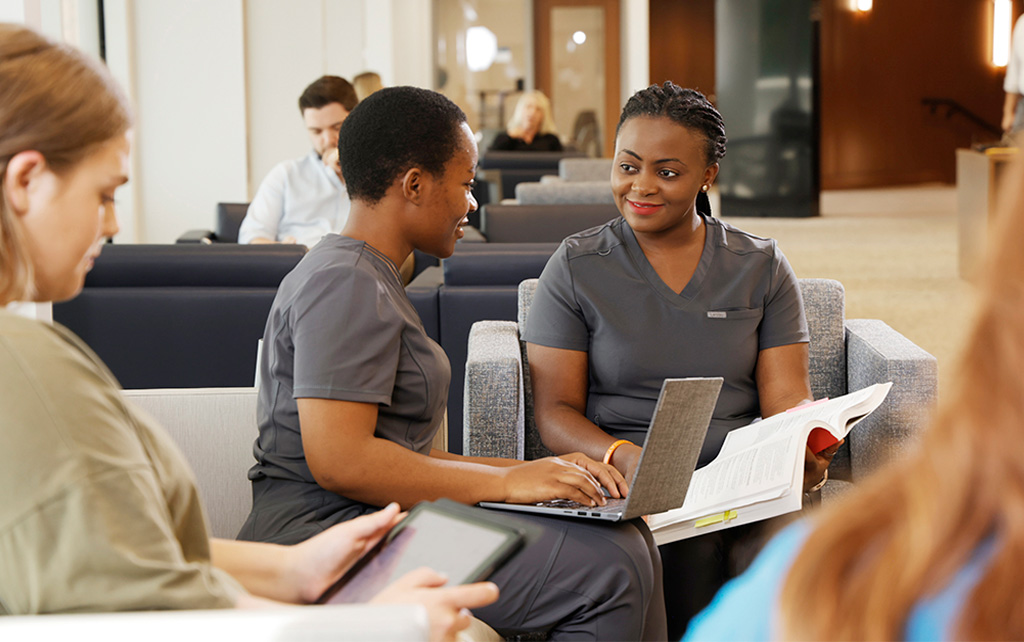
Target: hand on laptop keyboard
550,478
609,476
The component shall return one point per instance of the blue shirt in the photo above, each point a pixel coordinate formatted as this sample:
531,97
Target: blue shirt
302,198
747,607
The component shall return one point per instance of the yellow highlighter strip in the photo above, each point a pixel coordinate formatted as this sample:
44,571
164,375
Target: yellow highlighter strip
717,518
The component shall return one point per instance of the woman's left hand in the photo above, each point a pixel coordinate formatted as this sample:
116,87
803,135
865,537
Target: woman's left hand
318,562
815,464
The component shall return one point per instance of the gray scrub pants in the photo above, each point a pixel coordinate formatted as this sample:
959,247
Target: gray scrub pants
582,580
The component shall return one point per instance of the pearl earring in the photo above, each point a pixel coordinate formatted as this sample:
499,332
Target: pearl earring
704,188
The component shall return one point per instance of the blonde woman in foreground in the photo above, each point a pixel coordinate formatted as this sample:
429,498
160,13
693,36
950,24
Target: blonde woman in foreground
933,546
98,509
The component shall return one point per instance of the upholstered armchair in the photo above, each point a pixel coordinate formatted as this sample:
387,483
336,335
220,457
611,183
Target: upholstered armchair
845,355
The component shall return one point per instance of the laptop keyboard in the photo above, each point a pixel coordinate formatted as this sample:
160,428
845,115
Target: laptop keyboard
613,505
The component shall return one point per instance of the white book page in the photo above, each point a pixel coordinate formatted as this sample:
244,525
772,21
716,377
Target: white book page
831,414
760,466
766,468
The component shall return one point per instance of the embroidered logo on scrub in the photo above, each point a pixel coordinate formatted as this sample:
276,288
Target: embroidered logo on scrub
715,314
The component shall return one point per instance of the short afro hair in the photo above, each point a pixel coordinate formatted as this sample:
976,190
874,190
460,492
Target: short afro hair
686,107
392,131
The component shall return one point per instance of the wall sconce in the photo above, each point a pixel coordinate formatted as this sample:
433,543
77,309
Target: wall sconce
862,6
1002,29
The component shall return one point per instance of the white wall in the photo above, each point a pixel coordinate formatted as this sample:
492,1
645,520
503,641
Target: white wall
216,83
635,39
12,11
191,124
289,45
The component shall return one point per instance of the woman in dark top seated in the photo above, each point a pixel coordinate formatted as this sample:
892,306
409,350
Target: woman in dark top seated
667,291
532,129
353,391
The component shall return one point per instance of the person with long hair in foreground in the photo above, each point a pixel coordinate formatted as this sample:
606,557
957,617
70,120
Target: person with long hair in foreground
98,510
932,547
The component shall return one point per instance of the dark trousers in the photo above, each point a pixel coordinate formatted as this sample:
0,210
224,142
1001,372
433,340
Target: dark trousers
582,580
694,569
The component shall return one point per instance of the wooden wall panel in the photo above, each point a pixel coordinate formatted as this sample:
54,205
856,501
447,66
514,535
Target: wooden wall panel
682,43
876,68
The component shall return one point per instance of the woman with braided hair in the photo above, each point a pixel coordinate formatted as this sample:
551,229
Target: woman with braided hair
667,291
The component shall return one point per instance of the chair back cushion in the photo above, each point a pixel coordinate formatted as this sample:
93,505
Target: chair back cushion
585,169
179,316
542,223
562,192
500,159
215,429
824,307
229,220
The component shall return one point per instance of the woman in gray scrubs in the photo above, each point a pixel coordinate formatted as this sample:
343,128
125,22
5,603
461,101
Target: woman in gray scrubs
666,291
354,390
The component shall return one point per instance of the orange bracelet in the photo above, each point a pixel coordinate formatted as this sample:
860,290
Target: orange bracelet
611,449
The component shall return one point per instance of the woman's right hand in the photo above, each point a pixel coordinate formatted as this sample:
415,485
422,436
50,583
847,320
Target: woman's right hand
550,478
447,606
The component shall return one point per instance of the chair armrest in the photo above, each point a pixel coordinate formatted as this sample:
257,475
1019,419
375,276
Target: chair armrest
493,404
876,353
355,623
197,236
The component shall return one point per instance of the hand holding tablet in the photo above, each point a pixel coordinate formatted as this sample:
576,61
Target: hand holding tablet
462,543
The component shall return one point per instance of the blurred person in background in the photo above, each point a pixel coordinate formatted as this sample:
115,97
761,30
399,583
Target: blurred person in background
531,129
366,83
303,199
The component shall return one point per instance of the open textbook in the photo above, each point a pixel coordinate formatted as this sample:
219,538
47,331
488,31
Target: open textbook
759,471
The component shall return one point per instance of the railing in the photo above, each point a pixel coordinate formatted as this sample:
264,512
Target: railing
953,108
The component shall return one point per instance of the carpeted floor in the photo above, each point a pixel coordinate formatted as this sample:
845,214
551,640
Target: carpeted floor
895,252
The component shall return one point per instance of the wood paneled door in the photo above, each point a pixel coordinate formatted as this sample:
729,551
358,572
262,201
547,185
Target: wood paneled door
576,60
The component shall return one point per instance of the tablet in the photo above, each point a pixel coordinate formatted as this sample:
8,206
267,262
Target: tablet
466,544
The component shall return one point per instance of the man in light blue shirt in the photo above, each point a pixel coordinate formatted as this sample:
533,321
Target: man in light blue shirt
301,200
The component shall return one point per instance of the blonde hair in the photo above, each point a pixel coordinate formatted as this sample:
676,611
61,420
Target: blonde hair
908,530
547,125
57,101
366,83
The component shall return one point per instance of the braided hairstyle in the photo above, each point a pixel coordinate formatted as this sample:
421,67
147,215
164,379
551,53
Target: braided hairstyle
686,107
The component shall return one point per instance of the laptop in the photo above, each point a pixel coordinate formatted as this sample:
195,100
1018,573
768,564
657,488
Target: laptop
674,439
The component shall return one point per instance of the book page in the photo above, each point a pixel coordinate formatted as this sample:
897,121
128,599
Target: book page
765,459
760,431
766,468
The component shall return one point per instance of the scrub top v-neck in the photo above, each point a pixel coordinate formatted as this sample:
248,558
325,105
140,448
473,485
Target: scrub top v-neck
600,294
693,286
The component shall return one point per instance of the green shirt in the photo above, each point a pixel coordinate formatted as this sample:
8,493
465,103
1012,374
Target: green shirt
98,508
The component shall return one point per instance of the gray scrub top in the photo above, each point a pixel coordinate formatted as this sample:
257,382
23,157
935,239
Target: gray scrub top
341,327
599,294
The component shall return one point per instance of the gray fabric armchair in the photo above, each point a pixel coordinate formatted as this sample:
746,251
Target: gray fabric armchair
845,355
